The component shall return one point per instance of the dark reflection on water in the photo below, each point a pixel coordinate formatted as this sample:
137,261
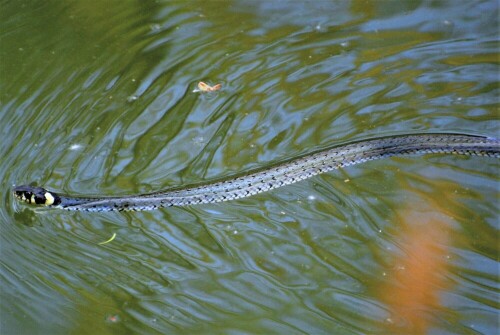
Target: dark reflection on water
96,98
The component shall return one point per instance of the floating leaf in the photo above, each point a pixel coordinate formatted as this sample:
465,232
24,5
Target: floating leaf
111,239
204,87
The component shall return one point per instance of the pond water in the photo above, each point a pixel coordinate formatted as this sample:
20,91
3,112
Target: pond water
96,98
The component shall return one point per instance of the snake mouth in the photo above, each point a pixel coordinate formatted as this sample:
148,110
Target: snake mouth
35,195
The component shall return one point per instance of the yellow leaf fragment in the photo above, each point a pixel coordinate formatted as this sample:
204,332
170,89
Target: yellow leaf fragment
111,239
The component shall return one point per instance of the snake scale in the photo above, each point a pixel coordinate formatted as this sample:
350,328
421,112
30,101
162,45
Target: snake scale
269,178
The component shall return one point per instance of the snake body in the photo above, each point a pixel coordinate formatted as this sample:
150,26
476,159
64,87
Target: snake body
281,174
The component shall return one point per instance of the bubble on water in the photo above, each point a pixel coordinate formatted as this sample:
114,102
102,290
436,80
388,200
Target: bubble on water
319,28
199,141
132,98
155,27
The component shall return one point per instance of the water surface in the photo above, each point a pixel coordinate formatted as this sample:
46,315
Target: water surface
96,98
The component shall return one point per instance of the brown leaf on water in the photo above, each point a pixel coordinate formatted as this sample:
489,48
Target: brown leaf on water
204,87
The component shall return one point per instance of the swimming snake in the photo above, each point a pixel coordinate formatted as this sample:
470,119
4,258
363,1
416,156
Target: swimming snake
269,178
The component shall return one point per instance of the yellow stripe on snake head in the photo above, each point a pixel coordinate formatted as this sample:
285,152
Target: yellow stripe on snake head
49,199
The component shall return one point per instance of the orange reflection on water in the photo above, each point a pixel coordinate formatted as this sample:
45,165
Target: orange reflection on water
419,272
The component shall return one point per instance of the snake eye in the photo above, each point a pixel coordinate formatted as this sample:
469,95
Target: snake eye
38,199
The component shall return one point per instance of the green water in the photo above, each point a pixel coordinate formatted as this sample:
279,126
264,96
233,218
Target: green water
96,98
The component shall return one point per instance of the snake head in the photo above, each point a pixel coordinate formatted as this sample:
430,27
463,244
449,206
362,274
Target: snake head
36,195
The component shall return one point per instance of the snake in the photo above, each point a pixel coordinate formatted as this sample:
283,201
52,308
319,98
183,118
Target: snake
277,175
